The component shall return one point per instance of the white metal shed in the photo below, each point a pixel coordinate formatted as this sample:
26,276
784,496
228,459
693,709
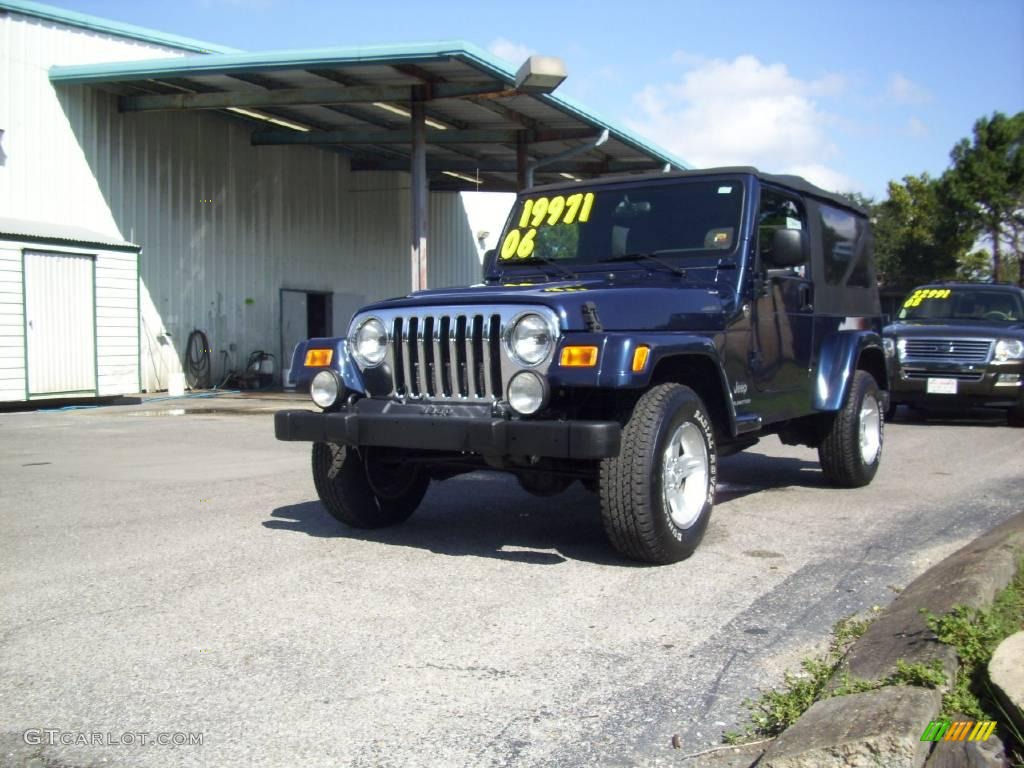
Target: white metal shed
69,313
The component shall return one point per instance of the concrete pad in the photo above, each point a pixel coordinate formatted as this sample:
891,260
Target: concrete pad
1006,671
877,728
971,576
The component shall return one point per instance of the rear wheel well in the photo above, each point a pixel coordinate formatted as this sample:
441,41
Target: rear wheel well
872,360
701,375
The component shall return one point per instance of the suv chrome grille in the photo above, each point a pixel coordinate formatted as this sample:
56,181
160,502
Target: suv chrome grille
947,350
455,356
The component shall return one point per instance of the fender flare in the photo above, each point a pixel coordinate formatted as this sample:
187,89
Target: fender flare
341,363
840,353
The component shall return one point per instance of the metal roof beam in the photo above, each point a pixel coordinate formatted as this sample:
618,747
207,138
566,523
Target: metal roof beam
501,166
298,96
404,136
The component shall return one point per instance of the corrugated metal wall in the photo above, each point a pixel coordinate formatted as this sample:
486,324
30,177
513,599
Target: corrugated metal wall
112,311
12,326
117,323
223,225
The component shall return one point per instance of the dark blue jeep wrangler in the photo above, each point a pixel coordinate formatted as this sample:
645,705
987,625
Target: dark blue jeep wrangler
628,332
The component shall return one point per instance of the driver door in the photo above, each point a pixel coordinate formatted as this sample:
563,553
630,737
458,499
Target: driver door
781,344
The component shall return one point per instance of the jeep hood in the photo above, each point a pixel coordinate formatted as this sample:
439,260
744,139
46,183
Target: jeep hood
623,303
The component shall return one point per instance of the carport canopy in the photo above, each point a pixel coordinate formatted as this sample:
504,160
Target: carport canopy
453,116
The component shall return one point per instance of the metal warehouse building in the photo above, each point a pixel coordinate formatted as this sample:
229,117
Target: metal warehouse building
151,185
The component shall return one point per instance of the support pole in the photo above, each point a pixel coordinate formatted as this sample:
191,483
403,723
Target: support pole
418,202
522,161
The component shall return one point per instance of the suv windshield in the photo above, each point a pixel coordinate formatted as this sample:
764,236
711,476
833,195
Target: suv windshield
962,304
679,218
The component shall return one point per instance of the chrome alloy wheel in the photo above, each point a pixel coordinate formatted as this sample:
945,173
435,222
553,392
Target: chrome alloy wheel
684,475
870,429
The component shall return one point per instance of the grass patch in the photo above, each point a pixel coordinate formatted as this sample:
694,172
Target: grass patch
774,711
975,634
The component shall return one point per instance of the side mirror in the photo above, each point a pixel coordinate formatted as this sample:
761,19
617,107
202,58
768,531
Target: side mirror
488,263
789,248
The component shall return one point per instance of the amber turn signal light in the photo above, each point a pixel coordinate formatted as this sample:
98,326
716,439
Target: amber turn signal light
640,356
318,358
578,357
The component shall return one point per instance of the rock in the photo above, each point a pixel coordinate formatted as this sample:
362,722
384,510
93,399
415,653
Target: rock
971,576
1006,671
877,728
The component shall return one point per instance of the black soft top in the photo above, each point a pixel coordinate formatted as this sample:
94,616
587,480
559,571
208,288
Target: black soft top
795,183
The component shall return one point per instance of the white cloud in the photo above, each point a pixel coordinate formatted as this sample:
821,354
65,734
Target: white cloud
513,53
916,128
743,112
903,90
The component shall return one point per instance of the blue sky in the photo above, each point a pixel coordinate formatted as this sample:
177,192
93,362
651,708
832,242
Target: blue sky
849,94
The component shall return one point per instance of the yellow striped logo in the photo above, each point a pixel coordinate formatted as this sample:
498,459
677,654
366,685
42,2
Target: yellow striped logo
959,730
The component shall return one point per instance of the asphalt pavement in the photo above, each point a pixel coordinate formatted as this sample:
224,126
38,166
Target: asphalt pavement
174,574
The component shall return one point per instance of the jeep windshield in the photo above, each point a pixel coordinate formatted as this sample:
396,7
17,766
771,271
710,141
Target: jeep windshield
677,220
962,304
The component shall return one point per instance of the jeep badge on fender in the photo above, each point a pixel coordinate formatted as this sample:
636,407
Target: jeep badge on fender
629,331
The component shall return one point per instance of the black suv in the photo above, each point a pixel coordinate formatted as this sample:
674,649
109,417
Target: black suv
959,345
628,332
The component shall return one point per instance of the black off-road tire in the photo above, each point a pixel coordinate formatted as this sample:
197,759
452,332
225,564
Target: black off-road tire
635,515
344,487
840,451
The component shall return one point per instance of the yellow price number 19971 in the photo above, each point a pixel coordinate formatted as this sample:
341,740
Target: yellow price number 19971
543,210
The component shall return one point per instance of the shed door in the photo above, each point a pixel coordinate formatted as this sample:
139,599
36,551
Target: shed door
60,324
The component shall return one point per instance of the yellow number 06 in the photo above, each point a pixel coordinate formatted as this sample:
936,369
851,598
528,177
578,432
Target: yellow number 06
518,245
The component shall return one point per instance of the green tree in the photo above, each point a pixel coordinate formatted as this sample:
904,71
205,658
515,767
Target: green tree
986,182
918,236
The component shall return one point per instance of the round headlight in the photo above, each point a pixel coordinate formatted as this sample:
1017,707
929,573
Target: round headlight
889,345
324,389
1009,349
370,342
527,393
531,340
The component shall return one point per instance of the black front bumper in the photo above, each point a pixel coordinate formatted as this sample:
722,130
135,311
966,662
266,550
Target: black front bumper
486,436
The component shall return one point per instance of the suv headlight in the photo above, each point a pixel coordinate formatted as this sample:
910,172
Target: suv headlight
370,342
531,340
1009,349
889,345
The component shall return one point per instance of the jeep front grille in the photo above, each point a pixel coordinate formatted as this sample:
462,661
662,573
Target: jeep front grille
452,356
947,350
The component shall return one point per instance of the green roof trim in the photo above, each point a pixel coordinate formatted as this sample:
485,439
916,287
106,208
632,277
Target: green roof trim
417,53
109,27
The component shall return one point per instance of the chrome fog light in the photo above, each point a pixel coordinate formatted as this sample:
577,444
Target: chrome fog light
527,393
324,389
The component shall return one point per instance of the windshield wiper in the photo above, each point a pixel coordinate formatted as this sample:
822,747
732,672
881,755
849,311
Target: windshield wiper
559,269
651,257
